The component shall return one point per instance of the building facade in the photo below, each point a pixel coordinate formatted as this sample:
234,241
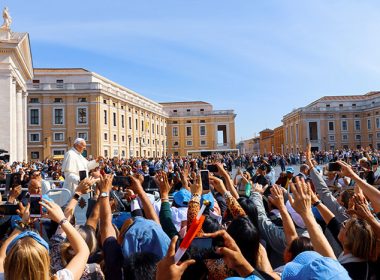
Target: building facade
194,127
278,139
266,141
334,122
64,104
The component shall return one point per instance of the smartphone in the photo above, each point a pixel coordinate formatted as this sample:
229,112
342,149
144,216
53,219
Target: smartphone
35,206
121,181
212,168
334,166
202,248
8,209
205,180
82,175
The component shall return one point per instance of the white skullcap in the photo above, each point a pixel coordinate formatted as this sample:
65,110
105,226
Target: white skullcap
79,140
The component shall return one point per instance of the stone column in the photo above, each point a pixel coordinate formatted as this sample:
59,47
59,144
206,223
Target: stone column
19,126
13,137
5,109
25,124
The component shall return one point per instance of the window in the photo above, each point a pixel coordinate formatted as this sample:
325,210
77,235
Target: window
377,123
58,100
82,115
188,121
358,137
202,110
36,83
331,126
174,111
162,130
130,122
58,115
34,116
327,105
370,137
369,126
344,116
58,152
35,155
378,135
189,143
175,122
105,116
152,128
357,116
122,121
123,153
122,138
187,110
105,101
142,125
175,131
136,124
34,137
331,137
175,143
106,153
203,142
137,139
158,132
114,119
82,99
114,137
34,100
202,130
353,105
344,125
188,131
83,135
59,83
344,137
58,136
202,121
340,105
105,136
357,125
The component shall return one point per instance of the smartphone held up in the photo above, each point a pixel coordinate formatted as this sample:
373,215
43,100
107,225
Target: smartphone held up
35,206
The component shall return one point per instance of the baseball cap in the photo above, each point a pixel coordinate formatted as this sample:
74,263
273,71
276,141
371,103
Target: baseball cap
145,236
182,197
311,265
290,170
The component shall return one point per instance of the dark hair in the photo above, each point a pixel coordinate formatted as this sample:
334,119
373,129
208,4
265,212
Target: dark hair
210,225
246,237
346,195
140,266
250,209
299,245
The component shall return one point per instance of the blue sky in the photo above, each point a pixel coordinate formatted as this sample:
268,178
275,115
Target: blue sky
260,58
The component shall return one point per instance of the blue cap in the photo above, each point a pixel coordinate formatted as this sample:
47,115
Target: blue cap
119,219
145,236
31,234
209,197
311,265
182,197
289,170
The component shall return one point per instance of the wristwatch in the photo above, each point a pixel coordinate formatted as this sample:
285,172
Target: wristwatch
76,196
104,194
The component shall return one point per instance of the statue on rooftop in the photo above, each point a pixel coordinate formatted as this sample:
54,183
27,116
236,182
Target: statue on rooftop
7,19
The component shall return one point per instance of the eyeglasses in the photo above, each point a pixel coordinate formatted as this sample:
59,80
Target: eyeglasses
344,224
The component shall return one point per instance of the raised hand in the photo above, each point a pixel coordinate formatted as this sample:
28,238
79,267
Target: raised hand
301,199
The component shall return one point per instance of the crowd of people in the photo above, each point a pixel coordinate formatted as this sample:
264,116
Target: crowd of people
319,223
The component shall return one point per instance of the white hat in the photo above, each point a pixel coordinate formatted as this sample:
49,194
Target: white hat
295,216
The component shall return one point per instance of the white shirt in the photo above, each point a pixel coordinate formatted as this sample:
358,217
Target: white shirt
72,164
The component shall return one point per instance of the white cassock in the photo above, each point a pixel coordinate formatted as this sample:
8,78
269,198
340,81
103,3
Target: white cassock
72,164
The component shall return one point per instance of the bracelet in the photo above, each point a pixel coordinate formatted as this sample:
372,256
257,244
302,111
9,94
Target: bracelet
64,220
315,204
20,225
195,195
227,194
165,199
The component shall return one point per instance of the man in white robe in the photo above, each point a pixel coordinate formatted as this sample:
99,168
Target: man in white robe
75,162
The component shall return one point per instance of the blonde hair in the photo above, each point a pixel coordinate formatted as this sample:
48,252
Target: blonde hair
27,260
360,239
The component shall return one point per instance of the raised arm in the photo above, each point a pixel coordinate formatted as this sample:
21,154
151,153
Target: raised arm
79,261
369,191
301,202
229,184
277,199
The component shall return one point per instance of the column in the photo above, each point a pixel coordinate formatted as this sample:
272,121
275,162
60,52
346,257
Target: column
13,115
25,124
5,109
19,126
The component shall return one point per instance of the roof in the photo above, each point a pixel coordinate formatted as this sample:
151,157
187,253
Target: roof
184,103
61,69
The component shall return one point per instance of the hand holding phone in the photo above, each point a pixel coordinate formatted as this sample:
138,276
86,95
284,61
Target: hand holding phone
82,175
212,168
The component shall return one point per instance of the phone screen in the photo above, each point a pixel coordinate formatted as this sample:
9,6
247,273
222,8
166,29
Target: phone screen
35,206
8,209
202,248
334,166
121,181
82,175
212,168
205,179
